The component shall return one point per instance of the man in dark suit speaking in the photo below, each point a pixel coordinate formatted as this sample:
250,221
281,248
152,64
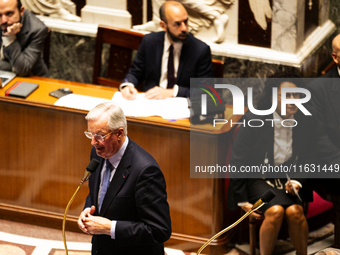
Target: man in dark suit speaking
22,40
167,60
126,210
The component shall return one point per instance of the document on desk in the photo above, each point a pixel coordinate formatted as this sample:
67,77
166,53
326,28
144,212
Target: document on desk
169,108
80,102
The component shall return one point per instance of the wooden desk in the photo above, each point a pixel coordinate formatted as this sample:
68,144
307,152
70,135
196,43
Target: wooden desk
44,153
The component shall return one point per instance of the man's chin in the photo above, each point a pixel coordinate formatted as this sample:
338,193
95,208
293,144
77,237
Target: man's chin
99,151
183,39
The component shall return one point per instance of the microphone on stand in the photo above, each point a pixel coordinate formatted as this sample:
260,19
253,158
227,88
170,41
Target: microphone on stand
265,198
90,169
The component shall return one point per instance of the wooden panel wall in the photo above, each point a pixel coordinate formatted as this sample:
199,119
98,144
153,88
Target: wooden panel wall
44,153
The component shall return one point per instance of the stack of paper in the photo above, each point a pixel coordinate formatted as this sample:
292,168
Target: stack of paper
79,101
170,108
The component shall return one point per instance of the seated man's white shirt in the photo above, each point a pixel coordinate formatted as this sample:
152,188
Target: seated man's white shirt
163,81
6,40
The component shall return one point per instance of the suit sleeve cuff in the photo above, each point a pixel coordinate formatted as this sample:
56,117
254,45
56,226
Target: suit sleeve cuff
124,84
113,229
175,90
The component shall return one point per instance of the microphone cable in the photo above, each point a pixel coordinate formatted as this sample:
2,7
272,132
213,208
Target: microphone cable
266,197
64,219
91,167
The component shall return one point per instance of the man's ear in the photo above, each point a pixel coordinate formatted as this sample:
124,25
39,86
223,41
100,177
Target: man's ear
120,132
162,24
335,58
22,9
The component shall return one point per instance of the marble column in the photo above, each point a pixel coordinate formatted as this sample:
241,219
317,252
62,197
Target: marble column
324,7
113,13
288,25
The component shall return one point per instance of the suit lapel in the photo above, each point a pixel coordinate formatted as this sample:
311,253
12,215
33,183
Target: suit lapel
183,58
335,90
97,180
334,72
119,178
26,27
159,47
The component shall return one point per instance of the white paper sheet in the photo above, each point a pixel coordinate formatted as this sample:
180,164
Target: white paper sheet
80,102
170,108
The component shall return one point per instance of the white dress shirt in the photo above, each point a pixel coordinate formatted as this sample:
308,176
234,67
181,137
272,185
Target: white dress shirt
114,160
283,139
163,81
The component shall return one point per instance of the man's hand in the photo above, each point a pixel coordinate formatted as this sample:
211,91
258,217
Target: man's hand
13,30
82,217
290,190
247,207
159,93
93,225
96,225
129,92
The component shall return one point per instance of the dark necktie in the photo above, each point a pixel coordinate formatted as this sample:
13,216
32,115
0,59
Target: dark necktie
105,182
171,69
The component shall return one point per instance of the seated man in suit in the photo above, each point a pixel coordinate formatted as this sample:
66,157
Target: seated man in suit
126,210
22,39
335,71
325,99
325,92
167,60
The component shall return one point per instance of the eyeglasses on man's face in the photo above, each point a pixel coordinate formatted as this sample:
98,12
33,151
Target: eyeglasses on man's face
98,138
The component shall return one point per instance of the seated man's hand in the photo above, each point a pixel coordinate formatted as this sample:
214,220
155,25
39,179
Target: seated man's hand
13,29
129,92
159,93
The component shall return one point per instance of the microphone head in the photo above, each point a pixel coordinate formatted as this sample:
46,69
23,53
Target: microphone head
267,196
92,166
